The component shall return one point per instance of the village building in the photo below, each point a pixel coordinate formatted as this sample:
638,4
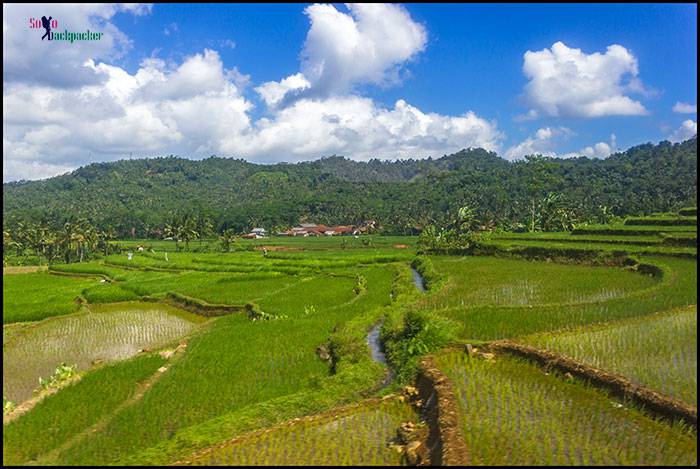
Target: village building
313,229
256,233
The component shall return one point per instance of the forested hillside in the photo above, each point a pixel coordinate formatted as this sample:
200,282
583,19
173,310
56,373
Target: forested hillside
402,196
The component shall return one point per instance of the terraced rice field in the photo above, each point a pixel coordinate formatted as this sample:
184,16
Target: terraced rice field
657,351
306,352
479,281
237,364
101,334
360,436
636,295
62,417
512,413
35,296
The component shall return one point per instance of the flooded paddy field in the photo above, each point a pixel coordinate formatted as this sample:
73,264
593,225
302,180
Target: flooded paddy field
92,337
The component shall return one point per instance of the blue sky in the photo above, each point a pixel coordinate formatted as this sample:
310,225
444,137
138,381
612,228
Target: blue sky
458,69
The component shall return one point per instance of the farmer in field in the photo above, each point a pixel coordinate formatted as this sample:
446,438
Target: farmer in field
46,23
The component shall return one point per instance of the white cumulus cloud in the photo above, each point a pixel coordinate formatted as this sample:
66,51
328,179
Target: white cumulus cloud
273,92
369,44
688,129
196,109
545,141
600,149
685,108
564,81
358,127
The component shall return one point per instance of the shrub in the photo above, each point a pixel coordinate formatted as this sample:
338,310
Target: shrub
62,373
421,332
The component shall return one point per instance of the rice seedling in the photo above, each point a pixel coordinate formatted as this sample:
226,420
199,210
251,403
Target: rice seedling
486,321
475,281
65,414
630,229
658,351
571,244
359,436
512,413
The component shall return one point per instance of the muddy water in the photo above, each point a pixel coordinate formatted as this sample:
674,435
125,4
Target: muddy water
106,333
418,280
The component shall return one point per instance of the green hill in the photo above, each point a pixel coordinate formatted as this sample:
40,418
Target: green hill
402,196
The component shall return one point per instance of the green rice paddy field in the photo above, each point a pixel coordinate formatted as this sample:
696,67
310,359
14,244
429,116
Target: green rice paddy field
237,374
357,436
513,413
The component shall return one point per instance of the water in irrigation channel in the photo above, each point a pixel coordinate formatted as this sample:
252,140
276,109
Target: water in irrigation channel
375,348
418,280
373,341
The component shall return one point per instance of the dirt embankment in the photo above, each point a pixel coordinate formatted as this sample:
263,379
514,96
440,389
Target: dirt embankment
659,404
196,306
446,443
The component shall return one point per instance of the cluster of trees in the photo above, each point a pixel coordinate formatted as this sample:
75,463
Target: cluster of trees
72,241
185,227
548,213
136,198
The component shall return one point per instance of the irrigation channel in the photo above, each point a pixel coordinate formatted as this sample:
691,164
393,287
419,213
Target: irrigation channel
374,342
418,280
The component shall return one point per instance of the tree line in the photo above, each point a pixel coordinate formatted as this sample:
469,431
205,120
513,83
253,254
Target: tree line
73,241
147,197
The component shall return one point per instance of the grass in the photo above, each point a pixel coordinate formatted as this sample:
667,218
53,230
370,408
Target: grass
358,436
36,296
354,374
658,351
663,220
514,414
109,333
626,230
321,243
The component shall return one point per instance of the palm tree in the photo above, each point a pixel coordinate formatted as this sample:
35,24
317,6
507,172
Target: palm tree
188,231
227,238
467,220
170,231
